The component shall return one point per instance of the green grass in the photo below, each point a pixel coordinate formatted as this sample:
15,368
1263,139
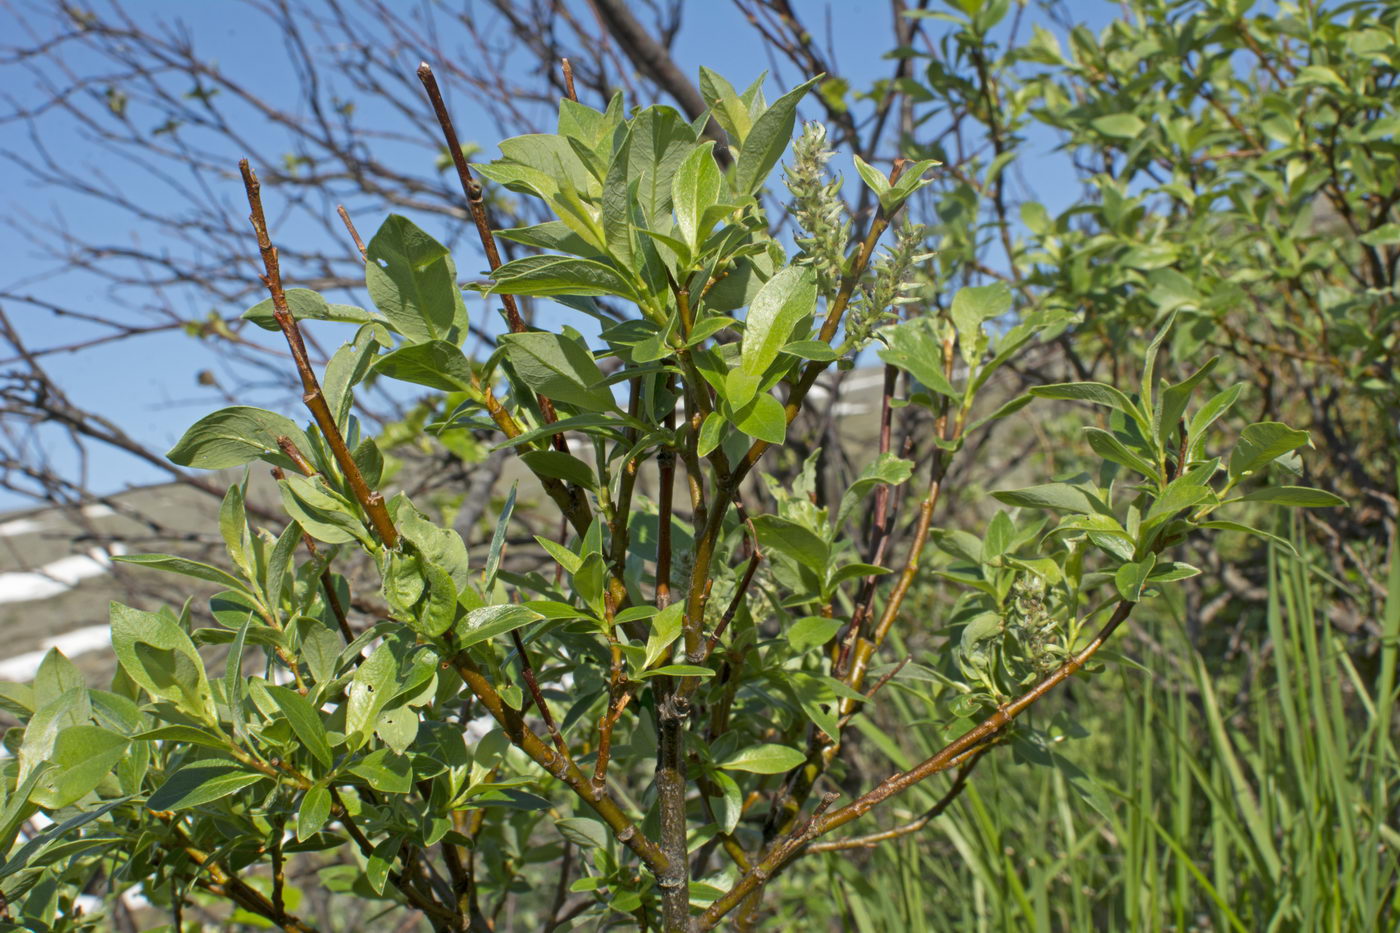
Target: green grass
1254,795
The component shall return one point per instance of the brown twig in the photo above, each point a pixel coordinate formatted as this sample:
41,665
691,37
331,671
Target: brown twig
949,756
350,228
371,501
471,189
568,80
527,672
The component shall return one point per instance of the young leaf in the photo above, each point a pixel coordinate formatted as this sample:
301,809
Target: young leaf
307,305
767,140
560,275
1132,577
411,279
436,364
786,298
1262,443
200,783
696,187
914,347
764,759
489,621
559,368
315,809
305,722
82,756
1302,497
233,436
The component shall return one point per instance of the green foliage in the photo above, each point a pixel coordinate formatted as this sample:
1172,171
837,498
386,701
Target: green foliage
684,676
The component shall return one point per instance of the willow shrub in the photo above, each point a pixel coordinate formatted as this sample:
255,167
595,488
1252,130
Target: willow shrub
646,730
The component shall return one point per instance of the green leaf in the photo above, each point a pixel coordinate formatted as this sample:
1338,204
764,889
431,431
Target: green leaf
711,434
200,783
386,771
397,727
665,628
55,676
873,177
1060,497
792,540
436,364
373,686
1211,411
305,721
315,809
322,512
973,305
1112,449
695,188
583,832
811,632
411,279
1175,399
1132,577
784,300
731,113
82,756
1096,393
159,656
307,305
185,567
1303,497
348,366
1262,443
1179,494
887,469
1119,125
1282,543
559,465
560,275
234,436
558,368
764,759
489,621
677,670
768,140
763,418
915,347
187,735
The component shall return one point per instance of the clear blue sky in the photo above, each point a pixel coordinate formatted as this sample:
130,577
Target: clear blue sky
147,384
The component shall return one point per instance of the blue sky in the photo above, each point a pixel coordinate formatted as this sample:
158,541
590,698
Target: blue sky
147,385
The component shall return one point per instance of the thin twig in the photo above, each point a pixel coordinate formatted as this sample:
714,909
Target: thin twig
371,501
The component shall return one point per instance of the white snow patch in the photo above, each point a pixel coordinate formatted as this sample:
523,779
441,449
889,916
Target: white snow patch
56,577
85,640
20,526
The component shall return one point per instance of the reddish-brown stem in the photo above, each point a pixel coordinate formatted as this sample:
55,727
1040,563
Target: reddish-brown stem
371,501
350,228
472,190
949,756
527,672
871,840
666,461
879,534
569,80
564,770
